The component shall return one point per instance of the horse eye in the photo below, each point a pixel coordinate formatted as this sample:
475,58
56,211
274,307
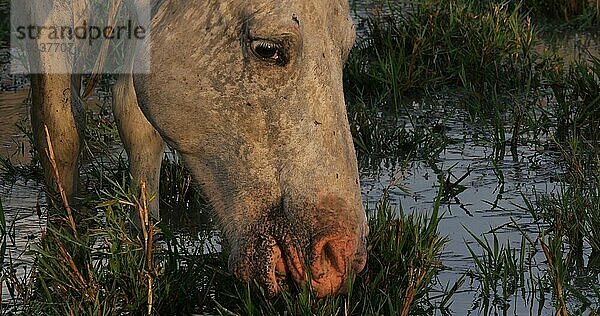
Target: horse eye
269,51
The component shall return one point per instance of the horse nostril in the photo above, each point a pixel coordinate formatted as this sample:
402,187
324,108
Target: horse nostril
335,259
279,261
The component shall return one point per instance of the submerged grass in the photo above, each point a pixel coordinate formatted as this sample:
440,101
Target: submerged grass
505,273
376,138
107,270
568,225
487,54
577,13
577,93
564,246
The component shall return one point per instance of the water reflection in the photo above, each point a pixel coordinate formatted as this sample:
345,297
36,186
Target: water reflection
492,199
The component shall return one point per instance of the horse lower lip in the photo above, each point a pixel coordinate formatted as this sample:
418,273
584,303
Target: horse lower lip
286,266
280,271
294,266
280,266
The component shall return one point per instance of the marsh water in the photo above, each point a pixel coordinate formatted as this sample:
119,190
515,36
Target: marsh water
493,199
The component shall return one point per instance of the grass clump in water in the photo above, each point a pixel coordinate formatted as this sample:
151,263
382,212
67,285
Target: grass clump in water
376,138
431,44
104,270
398,279
568,225
505,273
577,94
404,261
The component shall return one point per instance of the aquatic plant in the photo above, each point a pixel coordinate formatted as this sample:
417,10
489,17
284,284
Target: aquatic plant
429,44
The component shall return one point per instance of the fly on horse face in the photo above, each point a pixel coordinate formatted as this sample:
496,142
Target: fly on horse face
249,92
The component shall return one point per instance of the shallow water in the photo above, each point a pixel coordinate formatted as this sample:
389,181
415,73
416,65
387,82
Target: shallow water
495,191
22,200
13,111
492,199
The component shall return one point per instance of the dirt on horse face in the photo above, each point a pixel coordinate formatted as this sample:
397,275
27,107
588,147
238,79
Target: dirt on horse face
250,94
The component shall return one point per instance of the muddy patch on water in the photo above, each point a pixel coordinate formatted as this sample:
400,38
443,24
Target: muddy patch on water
572,46
14,113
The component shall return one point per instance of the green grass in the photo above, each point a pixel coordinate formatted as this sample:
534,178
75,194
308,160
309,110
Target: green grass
376,138
10,172
577,93
464,55
504,273
485,54
558,258
398,279
568,224
4,236
433,44
102,268
106,270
